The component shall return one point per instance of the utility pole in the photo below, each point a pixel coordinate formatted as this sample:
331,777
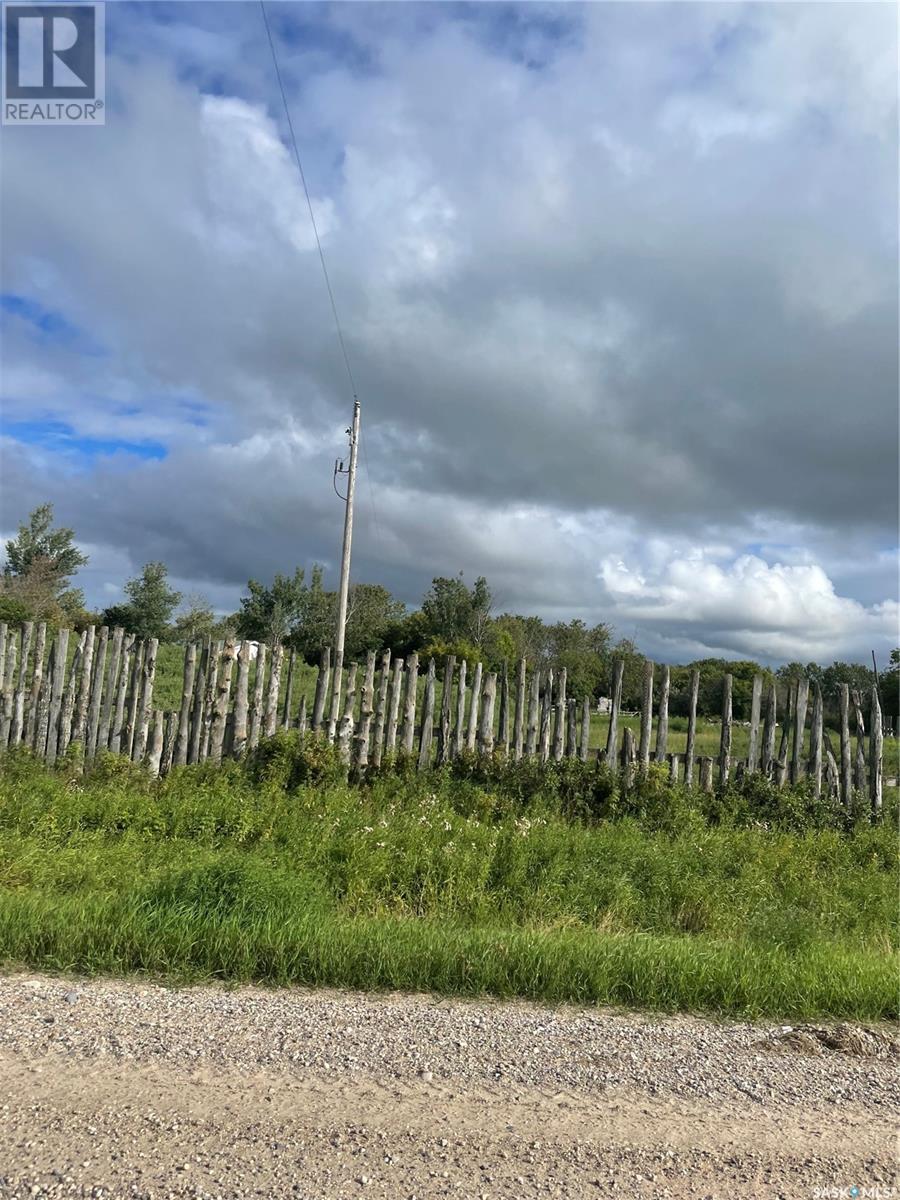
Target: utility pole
344,591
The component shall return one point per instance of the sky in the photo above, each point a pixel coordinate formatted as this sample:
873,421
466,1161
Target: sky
618,285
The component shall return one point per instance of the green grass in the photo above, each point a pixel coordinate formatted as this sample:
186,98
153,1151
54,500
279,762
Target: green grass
524,885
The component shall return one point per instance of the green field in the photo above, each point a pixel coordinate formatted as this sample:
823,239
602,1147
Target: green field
543,883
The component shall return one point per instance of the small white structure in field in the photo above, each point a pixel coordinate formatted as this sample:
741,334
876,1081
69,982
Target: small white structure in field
604,705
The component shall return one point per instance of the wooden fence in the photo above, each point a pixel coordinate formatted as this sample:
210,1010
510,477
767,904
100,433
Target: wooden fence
102,697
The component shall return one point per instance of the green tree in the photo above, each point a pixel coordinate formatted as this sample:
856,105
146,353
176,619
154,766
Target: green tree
40,561
150,605
269,613
38,540
371,612
195,620
455,613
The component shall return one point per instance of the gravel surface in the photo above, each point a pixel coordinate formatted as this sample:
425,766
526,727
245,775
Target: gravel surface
128,1089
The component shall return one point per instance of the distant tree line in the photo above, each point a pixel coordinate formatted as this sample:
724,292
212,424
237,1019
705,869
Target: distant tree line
453,618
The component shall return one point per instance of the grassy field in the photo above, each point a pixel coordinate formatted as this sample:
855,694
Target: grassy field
545,884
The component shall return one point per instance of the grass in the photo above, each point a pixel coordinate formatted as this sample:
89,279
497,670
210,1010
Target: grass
544,884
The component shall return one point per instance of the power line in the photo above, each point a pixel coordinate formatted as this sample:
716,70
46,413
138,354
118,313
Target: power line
312,217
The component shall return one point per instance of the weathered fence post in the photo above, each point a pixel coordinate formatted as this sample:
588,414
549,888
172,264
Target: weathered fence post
256,706
691,729
287,703
860,763
519,721
182,738
799,730
79,726
534,714
815,740
425,732
755,701
271,717
17,724
706,774
209,700
459,731
381,701
145,707
444,747
662,723
61,645
615,703
646,715
559,725
345,729
37,678
486,724
768,741
322,680
546,715
155,741
96,698
474,707
876,748
365,713
117,727
572,729
241,703
223,697
169,738
67,709
584,743
628,757
409,716
301,715
390,739
503,719
725,741
846,760
7,699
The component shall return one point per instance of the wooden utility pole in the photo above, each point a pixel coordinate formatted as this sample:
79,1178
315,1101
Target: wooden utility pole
344,591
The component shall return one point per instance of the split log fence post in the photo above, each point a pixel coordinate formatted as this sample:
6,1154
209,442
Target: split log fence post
753,748
771,721
444,745
876,748
846,759
381,704
534,714
240,731
322,680
584,743
559,730
799,730
396,693
616,701
459,731
662,721
365,713
426,730
519,731
37,680
646,715
725,740
691,729
474,708
408,735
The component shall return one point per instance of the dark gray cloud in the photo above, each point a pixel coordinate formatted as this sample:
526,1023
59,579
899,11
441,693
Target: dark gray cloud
619,287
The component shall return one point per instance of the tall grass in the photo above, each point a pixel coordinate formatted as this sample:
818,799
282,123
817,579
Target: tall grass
521,884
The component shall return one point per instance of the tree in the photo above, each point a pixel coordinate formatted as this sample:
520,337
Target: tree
371,611
40,560
150,605
39,541
453,613
195,620
268,613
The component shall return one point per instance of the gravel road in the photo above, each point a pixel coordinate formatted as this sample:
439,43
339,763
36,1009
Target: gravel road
118,1089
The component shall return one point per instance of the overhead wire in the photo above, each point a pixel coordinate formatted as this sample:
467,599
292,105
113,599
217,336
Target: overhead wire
315,229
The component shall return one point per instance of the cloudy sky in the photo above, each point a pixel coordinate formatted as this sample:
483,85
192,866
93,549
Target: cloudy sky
618,282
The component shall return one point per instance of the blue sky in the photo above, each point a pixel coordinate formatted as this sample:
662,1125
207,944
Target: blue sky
618,282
